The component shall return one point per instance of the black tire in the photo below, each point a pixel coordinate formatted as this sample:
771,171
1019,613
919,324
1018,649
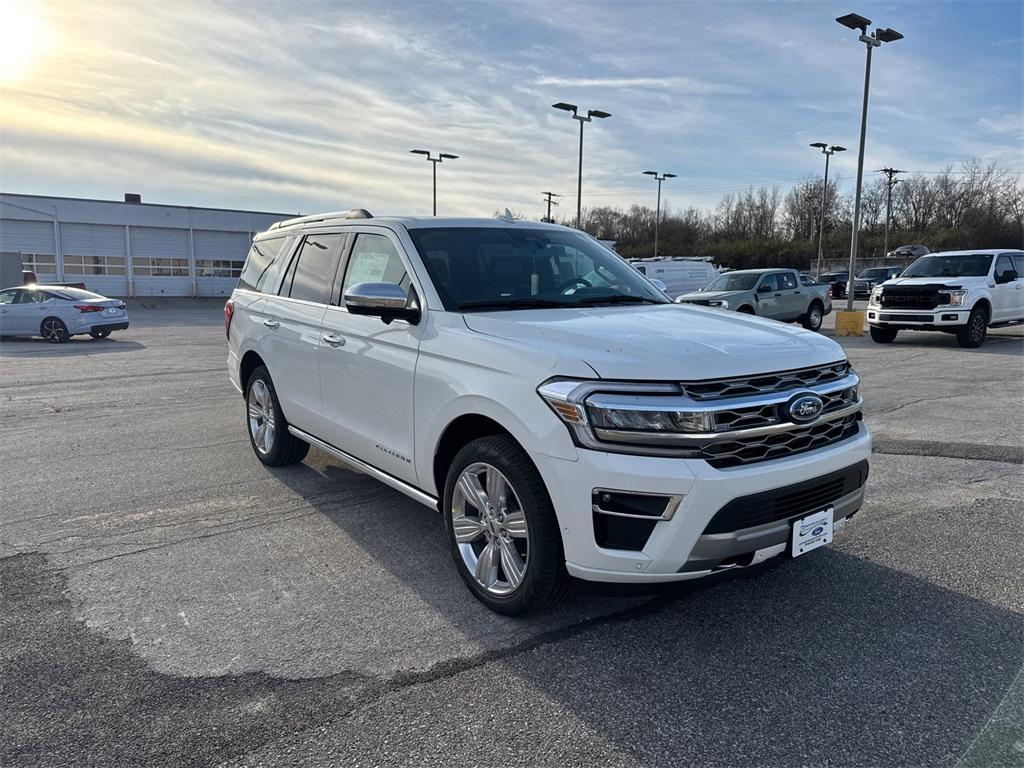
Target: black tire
972,335
545,579
814,317
883,335
745,310
53,330
99,334
284,447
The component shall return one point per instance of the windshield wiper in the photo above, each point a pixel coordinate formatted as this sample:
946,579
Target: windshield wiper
522,303
621,298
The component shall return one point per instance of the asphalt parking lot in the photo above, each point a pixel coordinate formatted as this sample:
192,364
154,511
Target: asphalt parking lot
166,600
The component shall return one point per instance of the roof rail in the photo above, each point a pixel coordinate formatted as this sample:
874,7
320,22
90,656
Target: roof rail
355,213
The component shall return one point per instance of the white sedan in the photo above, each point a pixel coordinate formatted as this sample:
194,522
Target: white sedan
57,313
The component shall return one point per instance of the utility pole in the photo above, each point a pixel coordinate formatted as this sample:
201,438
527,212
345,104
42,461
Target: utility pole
549,199
890,182
434,160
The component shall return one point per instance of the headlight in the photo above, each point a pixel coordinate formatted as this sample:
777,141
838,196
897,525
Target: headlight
600,413
720,303
956,298
876,295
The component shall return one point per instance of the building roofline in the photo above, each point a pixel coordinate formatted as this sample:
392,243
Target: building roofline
147,205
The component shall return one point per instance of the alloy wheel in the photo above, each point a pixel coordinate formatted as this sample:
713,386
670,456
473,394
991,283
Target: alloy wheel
261,416
978,322
490,528
53,330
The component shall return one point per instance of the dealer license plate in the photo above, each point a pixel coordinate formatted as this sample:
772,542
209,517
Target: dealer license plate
812,532
111,310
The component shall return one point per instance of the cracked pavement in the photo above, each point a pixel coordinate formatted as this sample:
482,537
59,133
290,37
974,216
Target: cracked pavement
166,600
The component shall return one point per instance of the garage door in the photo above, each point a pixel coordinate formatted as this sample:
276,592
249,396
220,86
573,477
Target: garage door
94,254
219,259
34,241
160,261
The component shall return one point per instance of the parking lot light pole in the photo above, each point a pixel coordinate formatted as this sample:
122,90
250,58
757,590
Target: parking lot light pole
657,211
827,151
872,41
434,160
591,114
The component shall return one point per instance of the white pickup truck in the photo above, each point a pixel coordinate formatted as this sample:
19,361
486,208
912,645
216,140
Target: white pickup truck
564,417
959,292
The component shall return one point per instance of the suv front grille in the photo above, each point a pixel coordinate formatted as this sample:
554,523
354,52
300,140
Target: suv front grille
915,296
755,416
750,449
768,383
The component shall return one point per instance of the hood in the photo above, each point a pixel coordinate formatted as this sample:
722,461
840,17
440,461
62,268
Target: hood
709,295
667,342
948,282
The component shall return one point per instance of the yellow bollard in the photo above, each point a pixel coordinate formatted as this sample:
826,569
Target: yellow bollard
849,323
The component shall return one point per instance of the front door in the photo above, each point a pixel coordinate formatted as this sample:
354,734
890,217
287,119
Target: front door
367,367
768,296
6,306
1004,293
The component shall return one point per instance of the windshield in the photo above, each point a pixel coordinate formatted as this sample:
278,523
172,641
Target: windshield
956,265
732,282
488,268
877,272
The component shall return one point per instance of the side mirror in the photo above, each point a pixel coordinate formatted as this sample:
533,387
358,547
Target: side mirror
1006,277
388,301
764,289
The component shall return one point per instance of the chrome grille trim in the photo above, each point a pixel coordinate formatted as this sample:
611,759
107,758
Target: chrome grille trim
782,381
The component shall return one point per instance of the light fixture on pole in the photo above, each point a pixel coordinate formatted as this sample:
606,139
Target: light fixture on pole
657,211
579,180
434,160
872,41
827,150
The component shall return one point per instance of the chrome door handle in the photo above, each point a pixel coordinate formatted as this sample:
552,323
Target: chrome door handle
272,324
334,340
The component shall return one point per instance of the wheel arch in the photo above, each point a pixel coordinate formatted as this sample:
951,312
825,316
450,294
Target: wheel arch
250,361
460,431
984,303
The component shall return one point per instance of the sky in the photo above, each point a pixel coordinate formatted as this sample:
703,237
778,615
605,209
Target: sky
305,107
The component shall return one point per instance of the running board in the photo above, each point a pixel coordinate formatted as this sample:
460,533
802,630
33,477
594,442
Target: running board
1006,323
358,464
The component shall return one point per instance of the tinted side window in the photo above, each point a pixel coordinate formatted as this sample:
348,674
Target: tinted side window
1003,265
787,280
771,281
316,263
264,263
1018,265
374,260
7,297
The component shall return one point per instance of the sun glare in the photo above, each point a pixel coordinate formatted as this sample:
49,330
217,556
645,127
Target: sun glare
25,38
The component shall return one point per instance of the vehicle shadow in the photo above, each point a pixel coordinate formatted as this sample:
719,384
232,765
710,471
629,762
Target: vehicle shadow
32,347
827,660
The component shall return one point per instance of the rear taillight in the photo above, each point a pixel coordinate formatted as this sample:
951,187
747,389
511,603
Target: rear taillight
830,292
229,311
88,308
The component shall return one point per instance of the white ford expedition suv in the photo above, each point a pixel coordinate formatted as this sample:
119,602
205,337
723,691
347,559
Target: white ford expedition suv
563,415
961,292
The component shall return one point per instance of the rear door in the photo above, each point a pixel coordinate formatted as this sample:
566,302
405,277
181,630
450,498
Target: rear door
1017,308
290,332
792,300
367,367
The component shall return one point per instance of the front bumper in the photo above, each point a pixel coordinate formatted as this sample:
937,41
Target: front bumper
679,548
922,319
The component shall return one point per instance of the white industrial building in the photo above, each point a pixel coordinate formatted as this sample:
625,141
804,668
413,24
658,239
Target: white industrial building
130,248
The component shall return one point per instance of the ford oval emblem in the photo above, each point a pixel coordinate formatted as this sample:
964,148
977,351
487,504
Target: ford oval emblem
818,531
803,409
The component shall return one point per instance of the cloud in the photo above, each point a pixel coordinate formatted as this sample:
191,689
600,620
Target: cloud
681,84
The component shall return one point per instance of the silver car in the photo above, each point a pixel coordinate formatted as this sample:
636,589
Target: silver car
57,313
